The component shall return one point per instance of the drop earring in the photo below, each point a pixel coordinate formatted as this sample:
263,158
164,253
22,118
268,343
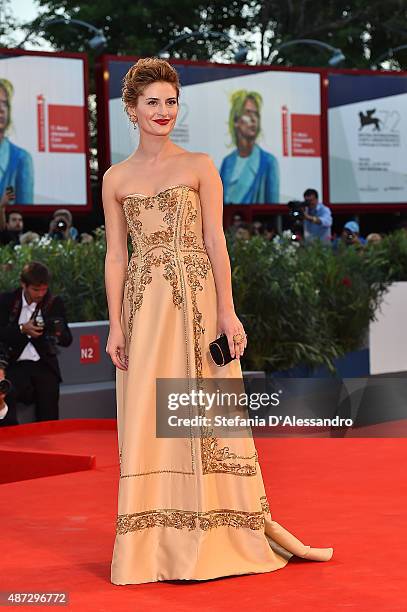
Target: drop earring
135,123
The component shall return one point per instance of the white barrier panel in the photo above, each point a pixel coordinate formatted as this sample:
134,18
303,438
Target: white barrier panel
388,335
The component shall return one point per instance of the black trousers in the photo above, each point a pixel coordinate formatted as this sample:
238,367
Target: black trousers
33,382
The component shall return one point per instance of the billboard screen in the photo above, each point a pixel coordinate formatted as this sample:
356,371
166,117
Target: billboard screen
367,131
261,127
43,129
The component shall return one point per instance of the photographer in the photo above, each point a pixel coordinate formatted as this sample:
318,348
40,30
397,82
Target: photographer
351,234
60,227
32,324
11,223
317,217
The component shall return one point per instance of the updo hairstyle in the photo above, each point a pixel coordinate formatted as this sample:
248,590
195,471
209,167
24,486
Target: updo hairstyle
144,72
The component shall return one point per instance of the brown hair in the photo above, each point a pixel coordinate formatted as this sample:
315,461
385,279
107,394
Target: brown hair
144,72
35,273
13,212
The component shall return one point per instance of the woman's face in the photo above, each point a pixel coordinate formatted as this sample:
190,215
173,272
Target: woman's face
156,109
247,126
3,110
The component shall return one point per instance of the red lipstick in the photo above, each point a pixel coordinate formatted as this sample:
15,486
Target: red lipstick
161,121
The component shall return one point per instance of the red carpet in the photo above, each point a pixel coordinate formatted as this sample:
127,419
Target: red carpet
58,517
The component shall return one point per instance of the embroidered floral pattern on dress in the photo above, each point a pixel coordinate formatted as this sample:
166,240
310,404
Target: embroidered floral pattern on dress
139,273
178,242
187,519
264,504
196,267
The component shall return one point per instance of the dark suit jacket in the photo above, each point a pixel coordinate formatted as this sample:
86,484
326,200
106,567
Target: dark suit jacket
15,341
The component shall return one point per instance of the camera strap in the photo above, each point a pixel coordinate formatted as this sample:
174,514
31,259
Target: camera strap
45,305
36,311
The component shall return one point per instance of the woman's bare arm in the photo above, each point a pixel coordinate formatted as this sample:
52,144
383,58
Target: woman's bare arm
116,262
211,195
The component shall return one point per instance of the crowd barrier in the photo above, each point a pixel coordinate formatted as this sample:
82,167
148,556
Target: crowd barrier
88,388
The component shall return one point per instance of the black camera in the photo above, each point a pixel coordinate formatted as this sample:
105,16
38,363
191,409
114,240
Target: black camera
350,237
61,225
60,228
5,386
296,209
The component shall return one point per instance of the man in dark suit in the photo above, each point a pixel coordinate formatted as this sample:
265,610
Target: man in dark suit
32,323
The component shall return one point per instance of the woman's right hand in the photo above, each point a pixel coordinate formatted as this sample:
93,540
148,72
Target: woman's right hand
115,348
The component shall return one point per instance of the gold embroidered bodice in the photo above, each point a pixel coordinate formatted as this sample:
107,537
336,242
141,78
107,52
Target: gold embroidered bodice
166,230
171,219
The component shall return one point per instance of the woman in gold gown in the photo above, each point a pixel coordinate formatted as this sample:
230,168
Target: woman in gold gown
191,508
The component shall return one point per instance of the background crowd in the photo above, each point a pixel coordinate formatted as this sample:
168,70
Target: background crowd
314,221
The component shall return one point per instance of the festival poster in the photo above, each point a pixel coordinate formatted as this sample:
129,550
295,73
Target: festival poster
43,124
222,107
367,131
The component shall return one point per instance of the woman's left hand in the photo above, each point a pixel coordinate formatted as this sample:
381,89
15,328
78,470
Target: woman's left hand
229,324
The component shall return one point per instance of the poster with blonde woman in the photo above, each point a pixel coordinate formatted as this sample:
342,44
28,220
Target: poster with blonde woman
43,130
16,164
250,175
263,136
189,508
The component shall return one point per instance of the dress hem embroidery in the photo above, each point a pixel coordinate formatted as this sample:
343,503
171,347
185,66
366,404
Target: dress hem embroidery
188,519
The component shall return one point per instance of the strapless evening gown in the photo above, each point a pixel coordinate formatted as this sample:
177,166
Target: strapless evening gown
188,508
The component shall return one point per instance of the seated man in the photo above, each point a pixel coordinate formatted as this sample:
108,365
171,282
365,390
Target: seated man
32,324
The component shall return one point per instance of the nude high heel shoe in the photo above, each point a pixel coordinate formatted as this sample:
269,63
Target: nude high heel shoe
318,554
288,541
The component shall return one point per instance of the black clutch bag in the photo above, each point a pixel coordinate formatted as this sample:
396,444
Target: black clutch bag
219,350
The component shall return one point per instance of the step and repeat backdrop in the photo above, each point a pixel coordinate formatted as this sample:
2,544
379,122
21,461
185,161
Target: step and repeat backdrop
43,129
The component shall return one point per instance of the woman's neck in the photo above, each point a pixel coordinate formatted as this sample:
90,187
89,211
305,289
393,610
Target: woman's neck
154,148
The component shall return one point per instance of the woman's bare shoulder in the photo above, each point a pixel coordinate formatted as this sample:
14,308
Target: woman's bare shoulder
197,155
200,161
116,171
204,165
